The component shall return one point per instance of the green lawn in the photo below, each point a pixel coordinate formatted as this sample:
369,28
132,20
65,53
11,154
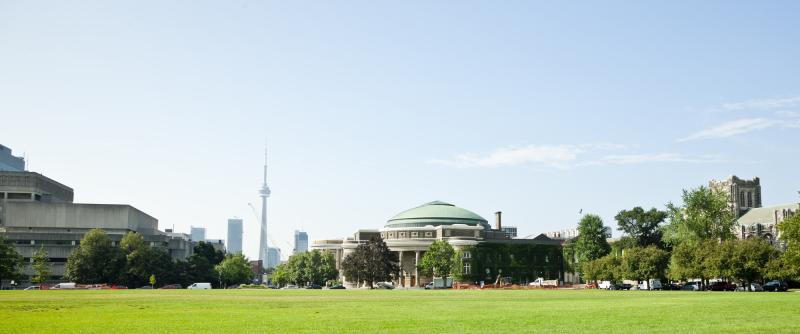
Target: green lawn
359,311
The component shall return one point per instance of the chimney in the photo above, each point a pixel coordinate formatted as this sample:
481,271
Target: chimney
498,220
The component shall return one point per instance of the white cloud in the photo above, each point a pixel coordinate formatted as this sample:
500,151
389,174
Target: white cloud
732,128
629,159
763,104
559,156
563,157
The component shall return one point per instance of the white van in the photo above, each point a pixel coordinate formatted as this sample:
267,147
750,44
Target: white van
200,286
651,284
64,286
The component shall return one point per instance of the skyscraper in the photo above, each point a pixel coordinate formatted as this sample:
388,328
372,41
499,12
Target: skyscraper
235,235
263,247
300,242
198,234
9,162
274,257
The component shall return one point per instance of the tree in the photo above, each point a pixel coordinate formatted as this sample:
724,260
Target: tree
234,269
704,215
643,263
751,258
606,268
716,258
10,260
152,280
438,259
201,263
96,260
687,261
41,266
143,261
370,262
788,266
591,242
643,226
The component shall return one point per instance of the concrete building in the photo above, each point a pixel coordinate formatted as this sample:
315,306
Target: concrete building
235,235
197,233
742,194
300,242
274,257
218,244
10,163
36,212
411,232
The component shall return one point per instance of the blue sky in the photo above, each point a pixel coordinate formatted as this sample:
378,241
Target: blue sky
533,108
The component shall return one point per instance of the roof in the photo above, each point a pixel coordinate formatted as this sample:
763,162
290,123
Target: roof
436,213
765,215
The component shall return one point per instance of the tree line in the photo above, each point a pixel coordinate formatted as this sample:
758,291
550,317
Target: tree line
132,263
693,240
307,268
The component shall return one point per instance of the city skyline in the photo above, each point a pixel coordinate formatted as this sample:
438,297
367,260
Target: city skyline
541,111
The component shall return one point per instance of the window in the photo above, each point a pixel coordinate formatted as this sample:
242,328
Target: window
447,233
383,235
402,234
428,234
741,199
467,268
467,255
414,234
391,234
749,199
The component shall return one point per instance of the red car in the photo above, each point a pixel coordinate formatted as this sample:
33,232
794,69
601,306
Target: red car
721,286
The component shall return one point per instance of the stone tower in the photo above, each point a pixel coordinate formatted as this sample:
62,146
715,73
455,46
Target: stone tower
743,195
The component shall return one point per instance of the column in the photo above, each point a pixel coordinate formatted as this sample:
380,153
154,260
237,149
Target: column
416,266
401,276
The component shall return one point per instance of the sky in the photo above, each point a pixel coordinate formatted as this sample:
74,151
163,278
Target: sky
369,108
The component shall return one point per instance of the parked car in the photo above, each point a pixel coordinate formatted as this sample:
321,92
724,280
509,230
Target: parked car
721,286
691,286
33,287
64,286
429,286
314,286
606,285
385,285
199,286
172,286
290,287
671,286
270,286
774,286
623,286
337,287
145,287
755,287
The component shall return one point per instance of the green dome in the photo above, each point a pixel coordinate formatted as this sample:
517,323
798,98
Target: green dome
436,213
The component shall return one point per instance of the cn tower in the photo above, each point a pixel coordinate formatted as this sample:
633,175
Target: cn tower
263,247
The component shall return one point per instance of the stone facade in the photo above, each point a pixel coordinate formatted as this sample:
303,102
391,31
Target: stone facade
742,194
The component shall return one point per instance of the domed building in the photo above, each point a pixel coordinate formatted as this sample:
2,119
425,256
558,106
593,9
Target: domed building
411,232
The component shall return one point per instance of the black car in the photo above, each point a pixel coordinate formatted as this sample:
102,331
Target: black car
313,286
774,286
671,286
623,286
337,287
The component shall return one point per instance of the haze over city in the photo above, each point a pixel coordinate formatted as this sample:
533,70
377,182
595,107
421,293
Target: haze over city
369,109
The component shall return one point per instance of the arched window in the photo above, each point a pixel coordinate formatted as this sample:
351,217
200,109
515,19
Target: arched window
741,199
749,199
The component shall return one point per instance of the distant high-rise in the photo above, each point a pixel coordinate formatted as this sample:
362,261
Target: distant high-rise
300,242
198,234
263,247
9,162
274,257
235,235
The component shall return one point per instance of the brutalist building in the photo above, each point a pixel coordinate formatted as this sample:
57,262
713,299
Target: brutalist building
36,212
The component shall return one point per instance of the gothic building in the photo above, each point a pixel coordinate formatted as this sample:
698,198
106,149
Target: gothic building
743,195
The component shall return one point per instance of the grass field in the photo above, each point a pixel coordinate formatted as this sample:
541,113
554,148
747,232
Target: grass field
414,311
